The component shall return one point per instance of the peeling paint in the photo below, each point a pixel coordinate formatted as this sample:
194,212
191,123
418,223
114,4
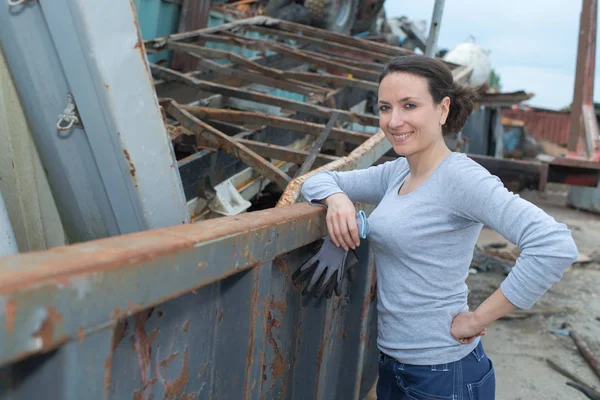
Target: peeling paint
45,333
81,284
179,384
10,315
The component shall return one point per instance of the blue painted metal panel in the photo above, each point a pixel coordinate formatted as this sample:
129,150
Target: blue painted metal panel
197,311
157,18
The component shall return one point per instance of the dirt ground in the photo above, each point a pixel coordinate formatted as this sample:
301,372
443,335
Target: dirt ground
519,347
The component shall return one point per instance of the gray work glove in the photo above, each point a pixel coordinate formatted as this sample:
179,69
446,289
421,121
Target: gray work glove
326,269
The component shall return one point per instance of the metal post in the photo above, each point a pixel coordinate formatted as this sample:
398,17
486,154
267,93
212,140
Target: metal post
582,131
8,244
434,30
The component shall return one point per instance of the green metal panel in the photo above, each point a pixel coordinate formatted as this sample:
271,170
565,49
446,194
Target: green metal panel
157,18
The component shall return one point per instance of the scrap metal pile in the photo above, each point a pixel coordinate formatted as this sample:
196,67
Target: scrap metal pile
279,97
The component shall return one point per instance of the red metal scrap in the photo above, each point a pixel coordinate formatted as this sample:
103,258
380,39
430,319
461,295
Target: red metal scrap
552,126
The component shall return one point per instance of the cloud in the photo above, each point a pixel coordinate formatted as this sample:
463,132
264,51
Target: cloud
552,88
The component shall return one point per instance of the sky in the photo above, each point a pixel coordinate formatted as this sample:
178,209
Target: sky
532,43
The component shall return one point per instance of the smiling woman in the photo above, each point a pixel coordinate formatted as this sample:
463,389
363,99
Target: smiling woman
431,207
417,95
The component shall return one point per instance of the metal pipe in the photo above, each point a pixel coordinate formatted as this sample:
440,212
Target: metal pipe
8,243
434,29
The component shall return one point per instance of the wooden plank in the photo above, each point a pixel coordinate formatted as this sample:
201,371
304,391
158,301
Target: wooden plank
312,109
263,45
329,45
229,145
246,117
315,148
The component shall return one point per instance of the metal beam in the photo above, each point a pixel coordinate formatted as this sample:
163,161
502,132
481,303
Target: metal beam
252,118
337,81
258,78
324,44
283,153
315,148
363,156
583,92
228,144
283,49
319,111
434,29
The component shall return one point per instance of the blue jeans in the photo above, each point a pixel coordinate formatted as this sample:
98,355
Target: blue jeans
471,378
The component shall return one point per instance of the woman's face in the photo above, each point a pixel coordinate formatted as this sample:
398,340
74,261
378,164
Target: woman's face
408,115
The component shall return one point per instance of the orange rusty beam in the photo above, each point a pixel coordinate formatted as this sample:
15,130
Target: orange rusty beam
264,45
313,109
253,119
324,44
228,144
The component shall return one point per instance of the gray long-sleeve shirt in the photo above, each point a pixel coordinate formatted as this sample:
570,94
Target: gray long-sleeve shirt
423,244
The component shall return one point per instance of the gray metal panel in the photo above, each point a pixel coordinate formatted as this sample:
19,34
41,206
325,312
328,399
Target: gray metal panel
118,175
8,243
585,198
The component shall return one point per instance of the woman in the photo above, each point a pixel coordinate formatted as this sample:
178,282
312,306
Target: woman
431,207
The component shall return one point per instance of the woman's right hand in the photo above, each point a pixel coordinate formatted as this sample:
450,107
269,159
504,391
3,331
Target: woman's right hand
341,221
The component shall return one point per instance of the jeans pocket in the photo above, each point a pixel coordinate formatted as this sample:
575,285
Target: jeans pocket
485,388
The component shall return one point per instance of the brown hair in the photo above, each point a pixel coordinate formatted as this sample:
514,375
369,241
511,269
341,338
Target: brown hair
441,84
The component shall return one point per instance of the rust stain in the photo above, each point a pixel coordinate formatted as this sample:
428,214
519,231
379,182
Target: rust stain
143,347
107,87
253,316
46,329
131,166
10,315
160,314
282,265
167,360
13,164
80,333
186,326
119,333
278,364
202,370
220,315
279,305
107,370
176,386
202,265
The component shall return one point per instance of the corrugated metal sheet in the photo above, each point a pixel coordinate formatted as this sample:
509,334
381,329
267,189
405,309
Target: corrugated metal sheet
23,182
552,126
